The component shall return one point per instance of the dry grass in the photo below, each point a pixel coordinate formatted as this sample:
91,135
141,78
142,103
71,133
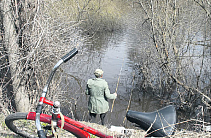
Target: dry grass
6,133
104,129
191,134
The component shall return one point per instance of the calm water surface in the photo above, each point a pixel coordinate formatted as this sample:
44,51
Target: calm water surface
110,52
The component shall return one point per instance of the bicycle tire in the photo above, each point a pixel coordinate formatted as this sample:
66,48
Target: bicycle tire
10,122
14,120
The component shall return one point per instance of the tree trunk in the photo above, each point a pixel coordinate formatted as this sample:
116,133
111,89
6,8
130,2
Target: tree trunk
12,46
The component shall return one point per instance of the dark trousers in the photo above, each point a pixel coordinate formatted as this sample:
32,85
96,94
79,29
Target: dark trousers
93,116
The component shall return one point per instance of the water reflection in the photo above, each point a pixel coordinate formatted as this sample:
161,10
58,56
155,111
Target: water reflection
118,54
109,52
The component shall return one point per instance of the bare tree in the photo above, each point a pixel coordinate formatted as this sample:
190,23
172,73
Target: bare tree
205,5
33,41
178,60
12,46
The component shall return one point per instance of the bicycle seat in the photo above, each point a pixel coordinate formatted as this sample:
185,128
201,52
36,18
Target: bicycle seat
161,122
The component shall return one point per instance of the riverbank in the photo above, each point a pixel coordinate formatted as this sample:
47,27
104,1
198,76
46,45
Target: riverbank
136,133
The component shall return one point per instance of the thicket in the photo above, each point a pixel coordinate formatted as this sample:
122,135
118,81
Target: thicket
36,33
92,15
173,60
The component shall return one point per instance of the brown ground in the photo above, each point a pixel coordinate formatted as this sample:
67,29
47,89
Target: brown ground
6,133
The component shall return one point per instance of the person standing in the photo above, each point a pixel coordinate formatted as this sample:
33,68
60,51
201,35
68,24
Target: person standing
99,93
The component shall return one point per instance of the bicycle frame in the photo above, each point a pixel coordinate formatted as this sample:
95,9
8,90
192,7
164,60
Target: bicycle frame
73,126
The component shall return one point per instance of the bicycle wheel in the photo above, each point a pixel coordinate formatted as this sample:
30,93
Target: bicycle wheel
18,123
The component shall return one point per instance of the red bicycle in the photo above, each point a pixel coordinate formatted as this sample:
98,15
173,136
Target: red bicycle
17,122
160,122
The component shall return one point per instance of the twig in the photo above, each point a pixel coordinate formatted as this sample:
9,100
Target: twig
170,125
150,126
130,98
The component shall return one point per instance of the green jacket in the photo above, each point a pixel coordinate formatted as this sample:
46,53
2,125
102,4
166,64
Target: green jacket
99,94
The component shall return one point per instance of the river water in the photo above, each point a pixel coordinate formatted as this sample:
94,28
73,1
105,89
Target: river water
111,53
115,53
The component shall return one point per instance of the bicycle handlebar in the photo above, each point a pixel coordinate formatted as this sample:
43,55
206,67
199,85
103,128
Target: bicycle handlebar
64,59
69,55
